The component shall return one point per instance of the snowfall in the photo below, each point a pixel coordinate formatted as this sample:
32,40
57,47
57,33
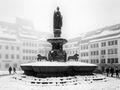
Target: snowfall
22,82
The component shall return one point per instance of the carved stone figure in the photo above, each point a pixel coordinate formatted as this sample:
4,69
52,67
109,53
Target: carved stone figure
57,19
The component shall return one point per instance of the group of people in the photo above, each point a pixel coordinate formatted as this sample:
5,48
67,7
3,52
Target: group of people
111,71
10,70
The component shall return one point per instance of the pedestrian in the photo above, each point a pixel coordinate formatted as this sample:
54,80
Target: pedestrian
10,70
117,72
14,70
107,71
112,71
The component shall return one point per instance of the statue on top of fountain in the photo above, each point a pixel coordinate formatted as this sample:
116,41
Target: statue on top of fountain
57,23
57,53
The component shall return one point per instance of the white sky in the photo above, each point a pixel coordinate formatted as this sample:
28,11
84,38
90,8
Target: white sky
79,16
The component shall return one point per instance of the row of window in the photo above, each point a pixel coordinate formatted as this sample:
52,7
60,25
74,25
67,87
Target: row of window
44,45
10,56
72,52
10,47
85,60
29,44
83,54
29,51
95,45
29,57
112,60
112,51
94,52
94,60
83,47
103,44
109,60
113,42
103,52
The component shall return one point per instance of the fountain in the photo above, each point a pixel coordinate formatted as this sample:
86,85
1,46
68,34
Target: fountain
57,64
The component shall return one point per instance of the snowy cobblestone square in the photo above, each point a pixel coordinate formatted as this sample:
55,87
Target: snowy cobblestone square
9,83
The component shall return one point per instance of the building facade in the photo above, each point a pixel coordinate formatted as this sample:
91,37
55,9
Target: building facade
20,43
100,47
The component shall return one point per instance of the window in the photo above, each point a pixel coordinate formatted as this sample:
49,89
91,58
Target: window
108,43
116,60
97,61
91,53
116,42
17,56
26,57
12,56
97,52
102,60
6,47
103,52
91,46
97,45
6,56
103,44
108,60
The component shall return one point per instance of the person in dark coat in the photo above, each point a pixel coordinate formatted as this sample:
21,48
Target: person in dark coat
10,70
107,71
14,70
112,71
117,72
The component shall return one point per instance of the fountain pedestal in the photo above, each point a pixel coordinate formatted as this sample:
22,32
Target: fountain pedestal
57,53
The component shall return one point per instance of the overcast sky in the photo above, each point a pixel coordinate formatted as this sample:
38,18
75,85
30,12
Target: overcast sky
79,16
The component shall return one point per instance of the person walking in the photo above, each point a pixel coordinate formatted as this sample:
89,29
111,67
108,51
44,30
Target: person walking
10,70
112,71
117,72
14,70
107,71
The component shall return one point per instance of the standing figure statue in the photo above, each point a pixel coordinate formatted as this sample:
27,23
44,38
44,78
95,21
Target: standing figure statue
57,23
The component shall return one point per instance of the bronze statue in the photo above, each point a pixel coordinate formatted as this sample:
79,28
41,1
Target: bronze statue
57,19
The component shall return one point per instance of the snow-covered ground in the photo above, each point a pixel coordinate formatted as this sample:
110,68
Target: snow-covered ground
9,83
4,73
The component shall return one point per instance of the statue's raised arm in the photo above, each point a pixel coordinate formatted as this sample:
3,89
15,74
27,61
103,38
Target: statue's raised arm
57,22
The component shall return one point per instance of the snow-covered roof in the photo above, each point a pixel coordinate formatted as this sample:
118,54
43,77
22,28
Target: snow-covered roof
104,33
5,34
28,36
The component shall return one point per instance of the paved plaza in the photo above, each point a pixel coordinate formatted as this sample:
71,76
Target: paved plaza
7,82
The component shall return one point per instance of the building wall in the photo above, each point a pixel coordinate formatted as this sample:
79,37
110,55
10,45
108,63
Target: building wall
99,47
19,44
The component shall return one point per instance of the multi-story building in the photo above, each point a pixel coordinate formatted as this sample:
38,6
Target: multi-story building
72,47
20,43
99,47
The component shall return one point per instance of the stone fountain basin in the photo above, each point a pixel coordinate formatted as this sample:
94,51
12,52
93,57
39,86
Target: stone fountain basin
51,67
